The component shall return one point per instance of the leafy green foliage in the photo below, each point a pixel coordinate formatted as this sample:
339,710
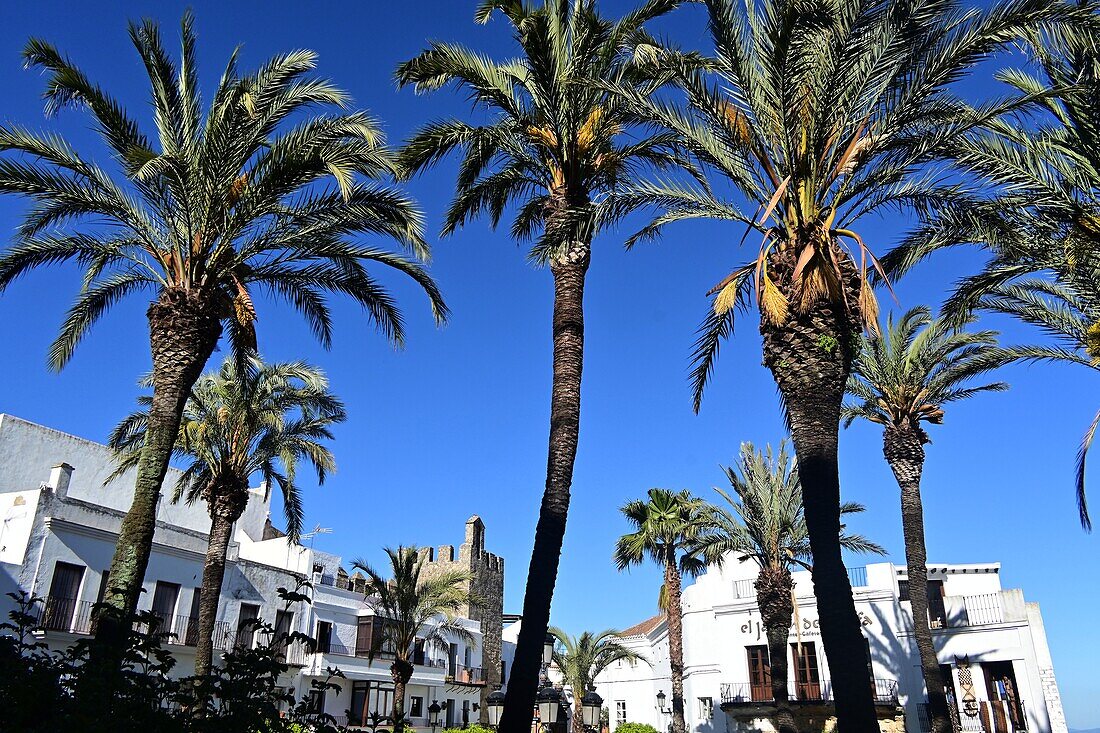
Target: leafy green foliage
635,728
223,205
765,519
556,141
248,418
41,690
581,659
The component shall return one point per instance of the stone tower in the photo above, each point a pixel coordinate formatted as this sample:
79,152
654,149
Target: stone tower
486,572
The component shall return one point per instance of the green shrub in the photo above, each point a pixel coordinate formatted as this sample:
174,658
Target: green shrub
635,728
471,728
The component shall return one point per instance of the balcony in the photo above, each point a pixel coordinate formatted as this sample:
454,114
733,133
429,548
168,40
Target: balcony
735,694
464,675
984,609
65,614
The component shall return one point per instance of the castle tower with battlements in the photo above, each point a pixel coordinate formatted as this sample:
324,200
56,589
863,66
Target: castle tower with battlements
486,572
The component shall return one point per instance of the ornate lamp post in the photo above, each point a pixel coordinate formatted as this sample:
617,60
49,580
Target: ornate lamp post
661,702
591,705
548,701
433,714
494,704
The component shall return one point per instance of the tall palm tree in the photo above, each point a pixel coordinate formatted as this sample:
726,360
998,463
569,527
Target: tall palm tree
218,209
414,605
901,379
581,659
551,145
666,530
1042,225
817,114
262,419
766,523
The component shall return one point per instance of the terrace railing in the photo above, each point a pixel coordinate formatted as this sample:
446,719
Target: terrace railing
820,691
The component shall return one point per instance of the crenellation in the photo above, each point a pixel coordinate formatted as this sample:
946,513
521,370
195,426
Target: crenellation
446,553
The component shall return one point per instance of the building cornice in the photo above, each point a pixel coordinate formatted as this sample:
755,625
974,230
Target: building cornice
56,524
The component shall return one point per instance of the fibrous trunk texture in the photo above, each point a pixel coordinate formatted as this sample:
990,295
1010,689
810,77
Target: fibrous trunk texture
774,587
401,671
810,357
183,331
903,447
227,500
565,411
674,614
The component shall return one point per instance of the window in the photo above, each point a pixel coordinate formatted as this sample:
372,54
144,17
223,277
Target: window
620,712
807,679
190,634
903,590
937,614
165,596
416,707
324,636
465,713
316,702
760,673
450,711
452,659
418,651
706,708
369,698
64,590
246,628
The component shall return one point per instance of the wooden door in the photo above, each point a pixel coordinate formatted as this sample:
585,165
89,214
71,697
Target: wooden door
760,673
807,679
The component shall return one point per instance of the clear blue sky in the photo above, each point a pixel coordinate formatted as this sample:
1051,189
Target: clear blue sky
456,423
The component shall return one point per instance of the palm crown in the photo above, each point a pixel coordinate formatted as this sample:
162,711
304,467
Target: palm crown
220,205
581,659
414,605
905,376
818,115
1042,224
263,419
669,522
766,521
554,140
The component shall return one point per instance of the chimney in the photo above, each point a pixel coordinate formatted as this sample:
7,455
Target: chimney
60,475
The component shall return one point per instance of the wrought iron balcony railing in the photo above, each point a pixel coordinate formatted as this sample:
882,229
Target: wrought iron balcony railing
819,691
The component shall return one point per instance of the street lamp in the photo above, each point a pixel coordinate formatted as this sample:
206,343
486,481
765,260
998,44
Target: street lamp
548,701
433,714
494,703
548,649
591,706
661,701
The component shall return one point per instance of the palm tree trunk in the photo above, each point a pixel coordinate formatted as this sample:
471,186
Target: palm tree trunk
774,596
674,614
578,711
401,671
904,451
810,357
227,503
565,412
183,331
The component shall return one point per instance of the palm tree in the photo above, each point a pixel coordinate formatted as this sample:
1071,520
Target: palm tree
767,524
666,528
220,208
1042,225
414,606
581,659
551,144
900,380
817,114
262,419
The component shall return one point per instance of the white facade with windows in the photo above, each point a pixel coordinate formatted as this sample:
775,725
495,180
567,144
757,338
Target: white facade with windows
988,638
59,522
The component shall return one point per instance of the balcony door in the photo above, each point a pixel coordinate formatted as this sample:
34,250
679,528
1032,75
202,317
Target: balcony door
807,679
1000,686
937,613
191,634
165,596
760,673
60,608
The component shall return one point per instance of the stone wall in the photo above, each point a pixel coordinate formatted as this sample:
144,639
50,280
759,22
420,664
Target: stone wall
487,584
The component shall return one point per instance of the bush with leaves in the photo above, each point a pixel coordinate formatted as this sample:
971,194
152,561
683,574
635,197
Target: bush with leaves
44,691
635,728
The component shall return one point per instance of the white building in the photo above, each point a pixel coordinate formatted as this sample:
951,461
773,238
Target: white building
59,523
989,639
